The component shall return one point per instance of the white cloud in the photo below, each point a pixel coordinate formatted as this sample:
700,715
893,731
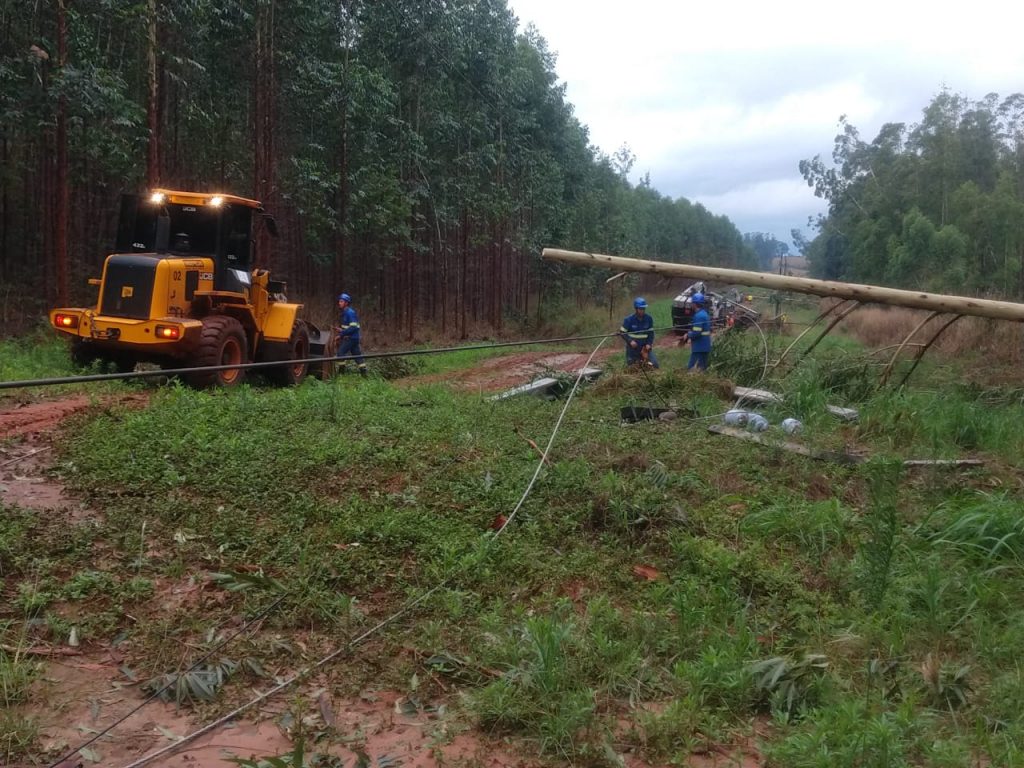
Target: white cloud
721,101
773,205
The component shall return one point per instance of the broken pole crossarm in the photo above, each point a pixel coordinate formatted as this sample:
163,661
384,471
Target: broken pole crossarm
937,302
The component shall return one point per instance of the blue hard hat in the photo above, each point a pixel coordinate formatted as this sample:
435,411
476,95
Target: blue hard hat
345,297
640,303
697,298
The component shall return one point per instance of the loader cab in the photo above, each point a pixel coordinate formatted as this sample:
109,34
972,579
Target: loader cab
219,227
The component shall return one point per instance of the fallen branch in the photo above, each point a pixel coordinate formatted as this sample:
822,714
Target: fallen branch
28,455
803,450
53,651
533,445
943,463
834,456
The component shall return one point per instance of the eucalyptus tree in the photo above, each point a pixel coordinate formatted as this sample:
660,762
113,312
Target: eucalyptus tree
938,204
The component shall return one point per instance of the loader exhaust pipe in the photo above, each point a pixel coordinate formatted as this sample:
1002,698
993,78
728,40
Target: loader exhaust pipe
163,232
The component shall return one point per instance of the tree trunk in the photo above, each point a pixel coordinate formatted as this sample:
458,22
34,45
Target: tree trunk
152,114
5,204
442,298
343,170
264,100
410,290
463,296
62,191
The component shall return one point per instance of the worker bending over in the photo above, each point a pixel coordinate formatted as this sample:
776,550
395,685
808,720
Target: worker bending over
638,332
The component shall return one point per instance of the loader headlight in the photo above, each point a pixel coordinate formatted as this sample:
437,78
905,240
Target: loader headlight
216,200
65,321
170,332
157,198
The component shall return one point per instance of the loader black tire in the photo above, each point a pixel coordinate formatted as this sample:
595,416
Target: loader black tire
296,349
221,342
122,363
326,370
85,354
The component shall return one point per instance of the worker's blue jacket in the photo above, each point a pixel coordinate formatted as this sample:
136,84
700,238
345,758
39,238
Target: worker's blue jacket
700,332
638,329
349,324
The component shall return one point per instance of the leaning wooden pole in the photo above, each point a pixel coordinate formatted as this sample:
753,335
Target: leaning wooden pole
868,294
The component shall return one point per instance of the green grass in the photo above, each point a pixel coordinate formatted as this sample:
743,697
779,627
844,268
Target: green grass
16,675
38,355
42,355
662,590
18,731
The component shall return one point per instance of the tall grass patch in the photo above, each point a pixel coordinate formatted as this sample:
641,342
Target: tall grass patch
993,341
543,691
943,424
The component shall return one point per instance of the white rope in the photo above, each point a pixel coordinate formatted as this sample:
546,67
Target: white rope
171,748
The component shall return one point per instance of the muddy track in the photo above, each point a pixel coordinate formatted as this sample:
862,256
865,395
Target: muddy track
25,433
38,418
507,371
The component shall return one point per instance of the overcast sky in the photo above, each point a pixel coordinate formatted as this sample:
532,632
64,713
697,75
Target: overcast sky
720,101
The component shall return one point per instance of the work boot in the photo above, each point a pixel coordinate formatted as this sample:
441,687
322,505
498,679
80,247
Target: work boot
362,371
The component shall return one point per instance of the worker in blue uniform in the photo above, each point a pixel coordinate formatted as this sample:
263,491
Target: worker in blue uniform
349,335
638,332
699,335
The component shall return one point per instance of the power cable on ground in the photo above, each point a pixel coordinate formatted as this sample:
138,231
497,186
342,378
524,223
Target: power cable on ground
195,665
159,692
51,381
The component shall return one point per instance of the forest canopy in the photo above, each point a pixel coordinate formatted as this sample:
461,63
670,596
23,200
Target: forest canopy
938,205
418,153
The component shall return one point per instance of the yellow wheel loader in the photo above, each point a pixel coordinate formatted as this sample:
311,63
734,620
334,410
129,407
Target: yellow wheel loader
180,291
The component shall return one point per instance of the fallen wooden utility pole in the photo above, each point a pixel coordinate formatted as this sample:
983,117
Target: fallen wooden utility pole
938,302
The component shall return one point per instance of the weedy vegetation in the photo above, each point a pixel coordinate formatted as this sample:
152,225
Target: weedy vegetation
662,593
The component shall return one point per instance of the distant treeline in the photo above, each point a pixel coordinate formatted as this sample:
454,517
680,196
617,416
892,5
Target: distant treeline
937,206
417,153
